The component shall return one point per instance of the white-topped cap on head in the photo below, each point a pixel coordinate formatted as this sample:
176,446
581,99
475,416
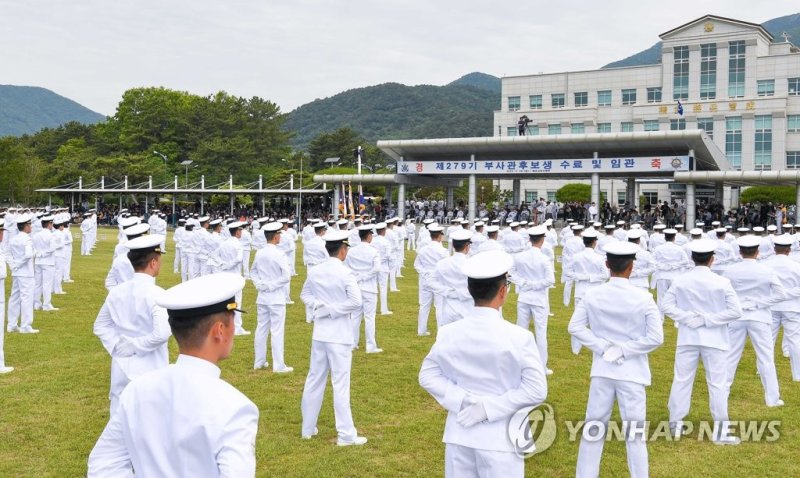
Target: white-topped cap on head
783,240
236,225
514,224
748,241
47,218
590,233
659,227
609,227
335,236
480,224
148,241
696,231
380,225
127,221
699,224
23,218
523,223
492,228
392,220
729,227
284,221
715,223
341,222
461,235
620,223
670,231
495,221
678,226
548,222
262,220
633,234
793,225
435,228
137,229
366,227
428,221
215,222
570,220
621,248
203,296
720,230
758,229
597,224
203,219
429,226
636,226
537,230
487,265
772,227
743,230
703,246
320,225
577,227
272,227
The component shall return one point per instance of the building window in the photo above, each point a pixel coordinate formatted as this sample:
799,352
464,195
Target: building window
680,74
557,100
651,125
763,156
766,87
654,95
794,86
629,96
736,63
554,129
531,196
533,130
677,124
793,160
551,195
581,99
733,141
511,131
603,127
626,127
793,123
650,197
604,98
577,128
707,125
513,103
535,102
620,198
708,71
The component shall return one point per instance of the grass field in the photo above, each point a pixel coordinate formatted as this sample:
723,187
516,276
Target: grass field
54,405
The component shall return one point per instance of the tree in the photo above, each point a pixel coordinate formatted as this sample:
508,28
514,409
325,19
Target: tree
574,193
773,194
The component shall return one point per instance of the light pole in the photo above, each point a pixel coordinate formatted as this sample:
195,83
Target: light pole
164,157
186,164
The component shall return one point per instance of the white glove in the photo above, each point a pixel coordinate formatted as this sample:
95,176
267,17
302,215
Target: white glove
124,348
613,354
695,321
472,414
748,304
321,311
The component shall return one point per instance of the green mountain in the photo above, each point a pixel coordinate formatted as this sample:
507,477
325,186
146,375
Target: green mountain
776,27
463,108
28,109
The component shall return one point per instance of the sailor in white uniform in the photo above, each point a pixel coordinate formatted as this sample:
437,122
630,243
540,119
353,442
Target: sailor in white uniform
44,245
620,323
670,261
132,328
332,291
270,274
3,260
787,312
314,254
449,282
384,248
364,261
482,370
121,268
227,257
644,265
703,304
425,264
20,259
183,420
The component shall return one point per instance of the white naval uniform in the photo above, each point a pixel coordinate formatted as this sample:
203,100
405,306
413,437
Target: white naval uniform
572,245
364,261
247,245
200,240
587,269
121,270
534,275
20,303
411,236
621,314
270,274
484,357
701,292
724,256
384,249
3,274
44,244
130,313
178,240
449,284
227,257
179,421
478,240
68,240
787,312
86,242
332,291
425,264
212,242
59,260
314,254
643,266
758,288
671,262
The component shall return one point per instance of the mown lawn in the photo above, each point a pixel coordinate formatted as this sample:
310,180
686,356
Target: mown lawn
54,405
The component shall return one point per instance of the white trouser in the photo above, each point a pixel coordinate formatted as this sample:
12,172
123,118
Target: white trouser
86,245
237,316
271,320
20,304
186,266
393,277
464,462
58,274
119,380
164,243
194,266
43,288
791,335
383,290
662,286
632,402
336,359
567,291
539,313
2,320
425,302
68,264
290,257
412,243
777,322
176,264
714,363
369,304
761,338
246,263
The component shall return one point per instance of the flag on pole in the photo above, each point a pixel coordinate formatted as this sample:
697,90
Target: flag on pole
680,108
342,202
350,201
361,203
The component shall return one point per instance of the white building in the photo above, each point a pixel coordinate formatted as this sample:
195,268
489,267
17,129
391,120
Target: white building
732,79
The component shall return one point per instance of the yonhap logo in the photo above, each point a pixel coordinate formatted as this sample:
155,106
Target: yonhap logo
532,430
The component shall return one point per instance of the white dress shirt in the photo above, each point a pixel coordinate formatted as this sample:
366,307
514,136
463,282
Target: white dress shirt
20,255
270,274
534,275
228,256
179,421
450,283
332,291
757,287
365,262
643,266
314,251
670,260
588,269
788,272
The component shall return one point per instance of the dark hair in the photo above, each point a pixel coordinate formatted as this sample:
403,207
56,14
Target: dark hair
669,237
537,238
484,290
21,226
748,251
269,235
141,257
363,234
492,234
782,249
333,247
618,264
193,332
587,241
435,234
460,245
702,258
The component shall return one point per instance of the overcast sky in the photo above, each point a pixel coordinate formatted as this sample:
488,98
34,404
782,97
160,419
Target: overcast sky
294,51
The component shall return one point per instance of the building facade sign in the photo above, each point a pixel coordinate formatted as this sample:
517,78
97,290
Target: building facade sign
647,164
